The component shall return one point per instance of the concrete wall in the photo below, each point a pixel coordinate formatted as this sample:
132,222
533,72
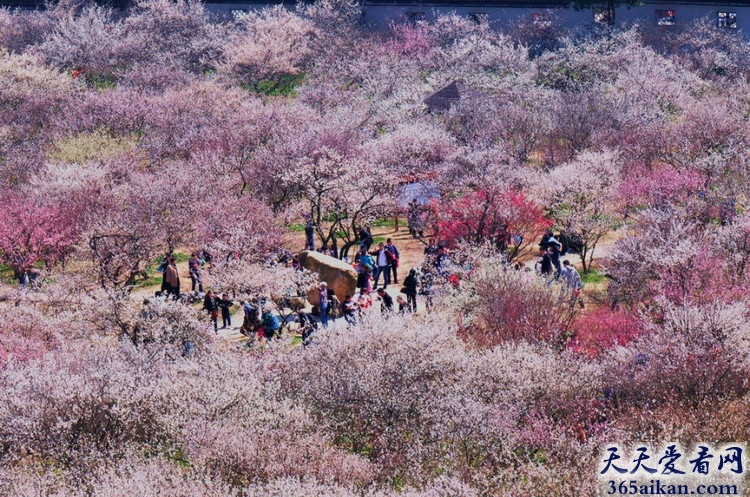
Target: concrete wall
379,14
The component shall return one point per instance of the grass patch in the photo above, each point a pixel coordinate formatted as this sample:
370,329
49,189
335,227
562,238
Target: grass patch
85,147
384,223
154,278
593,277
285,85
297,228
101,82
378,239
180,257
7,275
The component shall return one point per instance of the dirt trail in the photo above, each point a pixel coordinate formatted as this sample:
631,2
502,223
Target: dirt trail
410,248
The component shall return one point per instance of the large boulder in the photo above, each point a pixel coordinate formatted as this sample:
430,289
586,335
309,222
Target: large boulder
339,275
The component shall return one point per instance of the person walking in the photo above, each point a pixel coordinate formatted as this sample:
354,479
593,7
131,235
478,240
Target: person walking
366,266
544,264
250,321
163,269
394,258
224,305
309,233
196,278
410,290
382,261
364,301
172,278
365,238
555,249
402,304
307,326
323,303
211,305
386,301
349,310
572,280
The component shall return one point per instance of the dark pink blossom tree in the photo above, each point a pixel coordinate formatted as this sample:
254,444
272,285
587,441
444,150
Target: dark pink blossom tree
504,217
34,231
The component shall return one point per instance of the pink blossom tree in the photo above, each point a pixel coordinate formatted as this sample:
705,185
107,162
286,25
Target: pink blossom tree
34,231
578,196
498,216
268,45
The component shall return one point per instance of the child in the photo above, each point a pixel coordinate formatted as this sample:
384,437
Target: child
349,310
402,306
364,301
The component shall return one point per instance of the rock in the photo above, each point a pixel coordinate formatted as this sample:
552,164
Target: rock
335,307
339,275
296,303
312,297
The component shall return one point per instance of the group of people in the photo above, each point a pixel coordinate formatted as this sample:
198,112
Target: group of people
260,321
549,266
213,305
383,262
170,285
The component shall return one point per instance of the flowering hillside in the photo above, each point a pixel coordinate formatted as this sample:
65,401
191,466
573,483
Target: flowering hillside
125,136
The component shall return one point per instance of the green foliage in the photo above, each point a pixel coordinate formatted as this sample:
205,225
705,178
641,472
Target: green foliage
284,85
101,82
593,277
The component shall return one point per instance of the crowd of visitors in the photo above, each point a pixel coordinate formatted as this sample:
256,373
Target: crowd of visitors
260,320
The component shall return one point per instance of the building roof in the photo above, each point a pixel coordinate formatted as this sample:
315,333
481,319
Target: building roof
454,93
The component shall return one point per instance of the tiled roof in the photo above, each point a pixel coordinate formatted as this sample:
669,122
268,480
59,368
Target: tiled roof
456,92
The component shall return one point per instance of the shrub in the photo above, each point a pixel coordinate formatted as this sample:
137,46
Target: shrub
603,328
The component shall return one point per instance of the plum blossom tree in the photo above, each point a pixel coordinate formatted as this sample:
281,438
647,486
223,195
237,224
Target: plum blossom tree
501,216
686,360
501,305
20,30
344,194
672,258
143,220
325,172
92,41
578,116
660,186
34,231
241,229
268,45
178,34
602,329
578,196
